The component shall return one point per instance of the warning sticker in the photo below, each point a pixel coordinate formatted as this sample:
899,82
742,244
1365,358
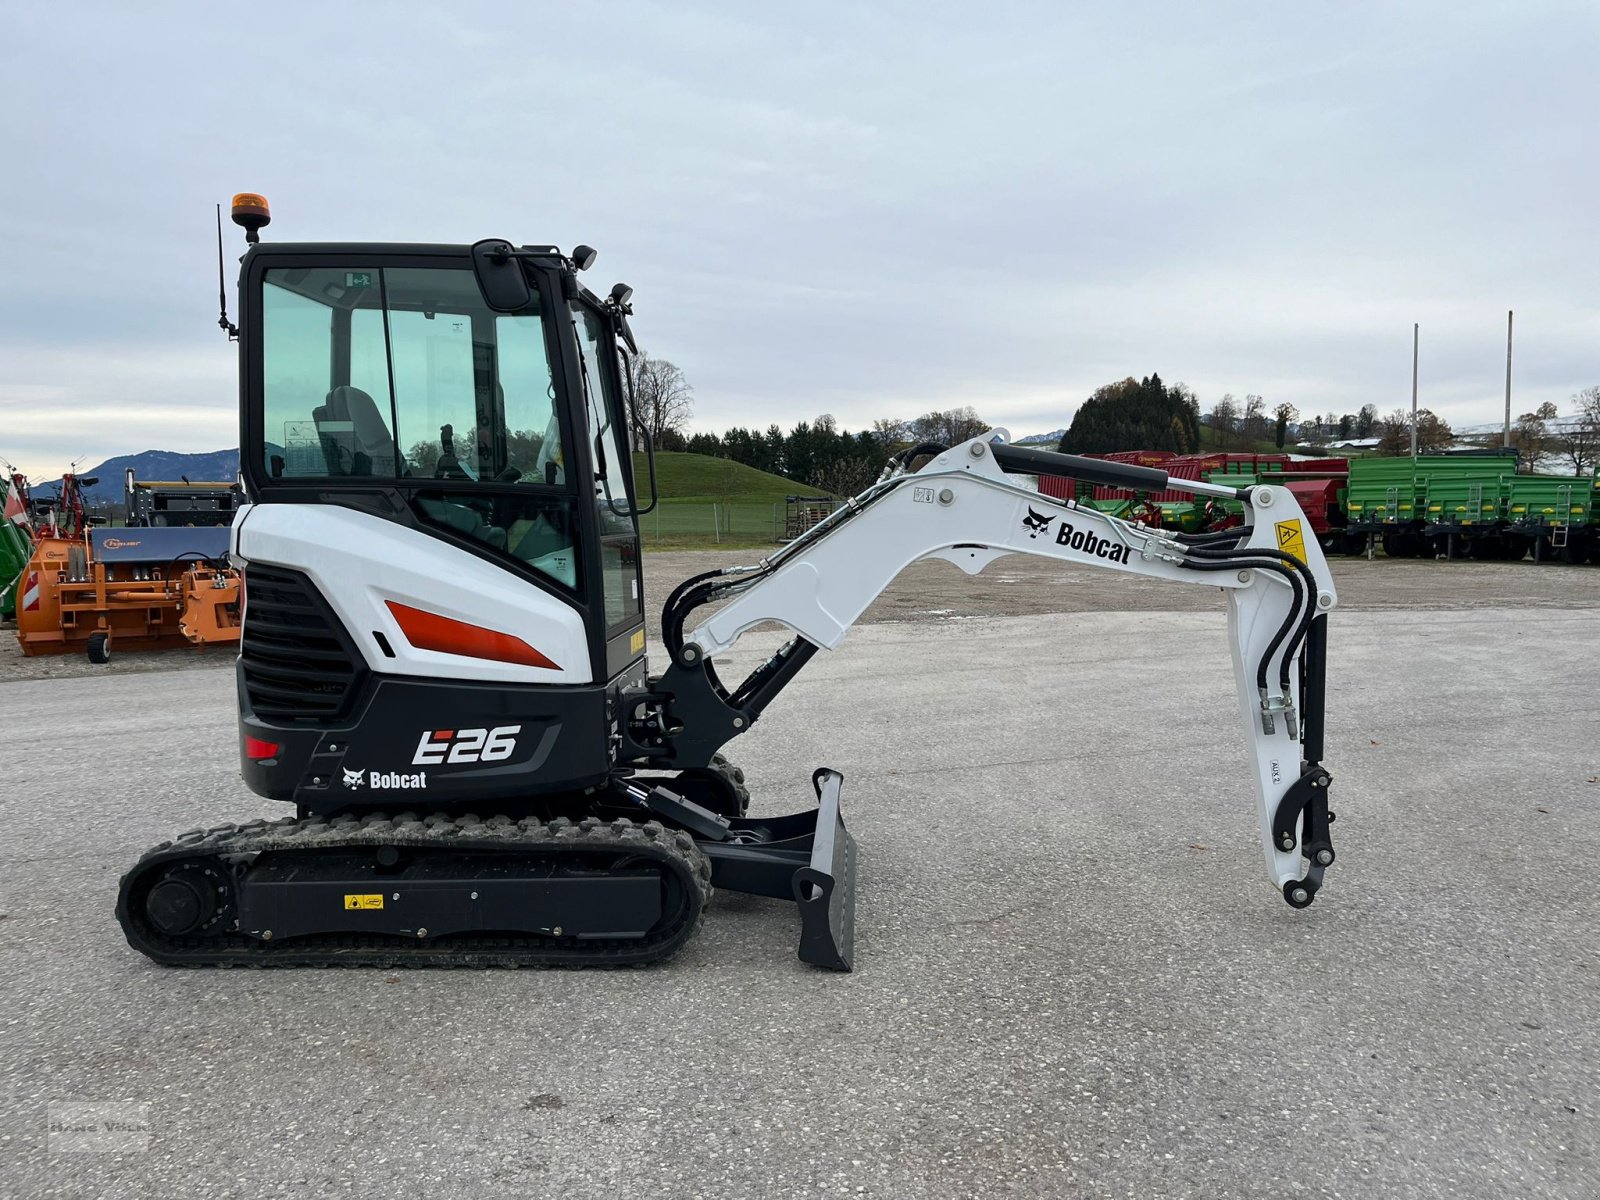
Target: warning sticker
1290,539
637,644
364,901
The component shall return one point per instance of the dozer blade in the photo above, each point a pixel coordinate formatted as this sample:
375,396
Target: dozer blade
807,857
826,890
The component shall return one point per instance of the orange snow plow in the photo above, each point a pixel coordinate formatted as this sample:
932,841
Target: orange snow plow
140,589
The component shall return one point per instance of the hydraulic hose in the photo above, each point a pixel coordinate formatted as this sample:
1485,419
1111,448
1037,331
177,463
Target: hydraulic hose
907,456
1227,561
671,621
1310,609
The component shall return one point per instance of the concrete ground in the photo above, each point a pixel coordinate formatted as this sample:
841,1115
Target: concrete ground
1072,979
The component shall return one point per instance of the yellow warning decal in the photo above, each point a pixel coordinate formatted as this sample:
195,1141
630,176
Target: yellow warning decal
364,901
638,642
1291,540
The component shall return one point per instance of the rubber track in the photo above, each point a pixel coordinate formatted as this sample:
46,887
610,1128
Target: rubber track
735,777
674,850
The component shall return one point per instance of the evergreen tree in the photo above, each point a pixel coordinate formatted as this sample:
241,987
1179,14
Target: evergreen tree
1135,415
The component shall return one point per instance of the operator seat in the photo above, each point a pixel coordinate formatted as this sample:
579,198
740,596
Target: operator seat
349,424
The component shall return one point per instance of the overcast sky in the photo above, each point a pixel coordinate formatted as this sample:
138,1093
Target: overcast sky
859,209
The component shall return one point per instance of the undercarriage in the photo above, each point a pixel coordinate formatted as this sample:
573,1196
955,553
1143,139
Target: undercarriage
619,887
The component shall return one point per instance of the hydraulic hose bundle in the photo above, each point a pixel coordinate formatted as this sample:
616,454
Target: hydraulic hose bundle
1202,553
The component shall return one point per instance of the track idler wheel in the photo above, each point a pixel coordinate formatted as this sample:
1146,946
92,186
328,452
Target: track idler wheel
190,898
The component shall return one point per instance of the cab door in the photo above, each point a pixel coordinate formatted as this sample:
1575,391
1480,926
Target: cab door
621,586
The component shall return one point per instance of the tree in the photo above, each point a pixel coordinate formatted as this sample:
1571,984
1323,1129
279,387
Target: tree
708,444
662,397
1255,419
1530,436
1347,426
769,452
423,458
798,456
845,476
1367,420
1225,421
1284,414
1578,438
1434,434
1135,414
890,431
949,428
1394,433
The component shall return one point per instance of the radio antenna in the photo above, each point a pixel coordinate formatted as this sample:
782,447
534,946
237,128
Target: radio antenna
227,326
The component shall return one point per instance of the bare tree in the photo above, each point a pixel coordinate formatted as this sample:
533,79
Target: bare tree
1530,436
845,476
889,431
1394,433
1578,438
948,428
1255,418
662,396
1225,421
1434,434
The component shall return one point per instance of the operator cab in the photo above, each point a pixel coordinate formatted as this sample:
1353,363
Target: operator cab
380,377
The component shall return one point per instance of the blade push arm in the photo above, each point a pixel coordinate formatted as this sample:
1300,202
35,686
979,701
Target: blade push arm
963,507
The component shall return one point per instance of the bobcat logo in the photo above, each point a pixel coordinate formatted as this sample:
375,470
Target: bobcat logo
352,779
1036,523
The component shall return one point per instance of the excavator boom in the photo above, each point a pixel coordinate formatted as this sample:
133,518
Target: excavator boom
966,506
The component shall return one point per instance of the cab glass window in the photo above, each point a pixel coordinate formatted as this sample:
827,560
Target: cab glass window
405,375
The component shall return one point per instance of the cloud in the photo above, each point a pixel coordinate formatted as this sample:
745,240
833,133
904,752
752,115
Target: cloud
863,210
63,405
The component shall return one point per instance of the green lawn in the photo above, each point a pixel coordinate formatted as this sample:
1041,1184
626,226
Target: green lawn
712,501
698,478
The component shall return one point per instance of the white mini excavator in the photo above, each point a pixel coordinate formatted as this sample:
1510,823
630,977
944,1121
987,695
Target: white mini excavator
443,663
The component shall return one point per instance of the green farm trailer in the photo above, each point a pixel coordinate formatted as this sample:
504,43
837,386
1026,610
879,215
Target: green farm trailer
1470,506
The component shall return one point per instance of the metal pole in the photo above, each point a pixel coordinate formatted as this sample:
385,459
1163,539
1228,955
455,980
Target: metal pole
1508,377
1416,342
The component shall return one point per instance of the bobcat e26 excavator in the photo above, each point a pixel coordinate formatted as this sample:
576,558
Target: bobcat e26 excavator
443,657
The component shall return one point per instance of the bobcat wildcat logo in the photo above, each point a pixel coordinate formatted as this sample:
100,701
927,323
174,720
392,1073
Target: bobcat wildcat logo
1085,541
1036,523
384,780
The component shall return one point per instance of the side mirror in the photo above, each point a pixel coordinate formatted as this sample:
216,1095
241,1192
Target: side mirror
500,278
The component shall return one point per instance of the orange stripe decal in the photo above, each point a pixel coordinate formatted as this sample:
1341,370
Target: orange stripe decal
430,631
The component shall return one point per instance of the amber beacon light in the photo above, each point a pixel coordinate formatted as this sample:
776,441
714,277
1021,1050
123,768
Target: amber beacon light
250,211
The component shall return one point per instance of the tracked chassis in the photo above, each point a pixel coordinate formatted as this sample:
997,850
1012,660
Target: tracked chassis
434,890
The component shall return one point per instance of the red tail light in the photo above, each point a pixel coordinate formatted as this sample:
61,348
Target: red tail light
254,747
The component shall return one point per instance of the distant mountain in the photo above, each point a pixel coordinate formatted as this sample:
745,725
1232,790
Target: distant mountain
1042,439
219,466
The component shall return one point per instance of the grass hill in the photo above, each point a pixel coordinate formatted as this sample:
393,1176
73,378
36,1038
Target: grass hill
1238,445
701,479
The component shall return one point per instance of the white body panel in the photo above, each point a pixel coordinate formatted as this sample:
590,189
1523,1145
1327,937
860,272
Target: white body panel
962,507
359,562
